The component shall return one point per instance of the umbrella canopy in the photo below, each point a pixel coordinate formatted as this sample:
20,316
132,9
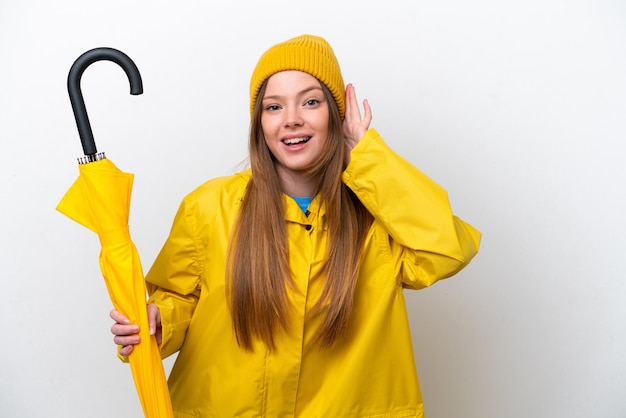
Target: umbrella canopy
99,199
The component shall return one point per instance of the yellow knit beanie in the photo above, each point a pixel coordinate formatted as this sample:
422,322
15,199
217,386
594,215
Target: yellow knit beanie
308,53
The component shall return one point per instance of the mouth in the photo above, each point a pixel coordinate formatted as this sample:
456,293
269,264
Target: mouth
296,141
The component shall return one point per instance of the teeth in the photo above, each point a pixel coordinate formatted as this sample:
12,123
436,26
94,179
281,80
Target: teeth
292,141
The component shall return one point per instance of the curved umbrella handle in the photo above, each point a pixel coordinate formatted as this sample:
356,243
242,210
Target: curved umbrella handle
76,94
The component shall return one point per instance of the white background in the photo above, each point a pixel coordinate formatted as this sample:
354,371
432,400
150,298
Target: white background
517,108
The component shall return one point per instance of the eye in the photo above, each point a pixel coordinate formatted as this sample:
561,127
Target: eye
272,108
312,102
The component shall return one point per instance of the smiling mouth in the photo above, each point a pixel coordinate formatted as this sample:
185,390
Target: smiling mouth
294,141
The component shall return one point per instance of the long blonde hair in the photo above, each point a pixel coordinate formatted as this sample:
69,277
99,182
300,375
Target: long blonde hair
258,259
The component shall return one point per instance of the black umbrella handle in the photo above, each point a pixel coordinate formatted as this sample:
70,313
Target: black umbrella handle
76,94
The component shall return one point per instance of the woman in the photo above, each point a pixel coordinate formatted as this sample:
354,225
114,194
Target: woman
281,287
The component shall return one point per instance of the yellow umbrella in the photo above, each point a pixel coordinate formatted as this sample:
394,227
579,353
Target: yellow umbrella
99,199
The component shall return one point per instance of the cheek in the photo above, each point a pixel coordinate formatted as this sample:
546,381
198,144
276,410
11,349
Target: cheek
323,124
268,126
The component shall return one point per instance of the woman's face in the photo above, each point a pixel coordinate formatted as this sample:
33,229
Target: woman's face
294,119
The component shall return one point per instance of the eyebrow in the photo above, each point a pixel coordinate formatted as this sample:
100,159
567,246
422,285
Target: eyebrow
306,90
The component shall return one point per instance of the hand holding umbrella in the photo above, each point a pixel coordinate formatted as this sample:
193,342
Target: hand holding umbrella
100,200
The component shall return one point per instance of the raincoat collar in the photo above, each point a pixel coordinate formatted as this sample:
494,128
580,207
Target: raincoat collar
316,212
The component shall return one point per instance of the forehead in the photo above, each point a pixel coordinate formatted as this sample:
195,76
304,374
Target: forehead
291,81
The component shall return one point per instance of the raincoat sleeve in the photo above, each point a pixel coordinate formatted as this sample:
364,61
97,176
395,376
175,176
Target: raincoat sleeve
173,281
427,242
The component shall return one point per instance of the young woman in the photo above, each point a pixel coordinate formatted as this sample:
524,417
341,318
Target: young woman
281,287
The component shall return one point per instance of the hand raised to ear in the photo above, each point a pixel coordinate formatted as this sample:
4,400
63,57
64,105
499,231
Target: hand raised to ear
354,126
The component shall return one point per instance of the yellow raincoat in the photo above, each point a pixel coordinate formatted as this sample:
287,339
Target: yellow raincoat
414,241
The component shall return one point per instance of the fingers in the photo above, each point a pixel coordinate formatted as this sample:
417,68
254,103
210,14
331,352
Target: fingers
122,326
154,321
367,112
126,343
118,317
352,106
355,125
126,334
154,318
355,112
126,350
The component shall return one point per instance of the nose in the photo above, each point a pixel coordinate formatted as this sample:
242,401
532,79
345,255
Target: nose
293,118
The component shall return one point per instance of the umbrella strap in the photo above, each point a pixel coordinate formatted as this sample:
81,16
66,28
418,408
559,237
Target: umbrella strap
115,237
